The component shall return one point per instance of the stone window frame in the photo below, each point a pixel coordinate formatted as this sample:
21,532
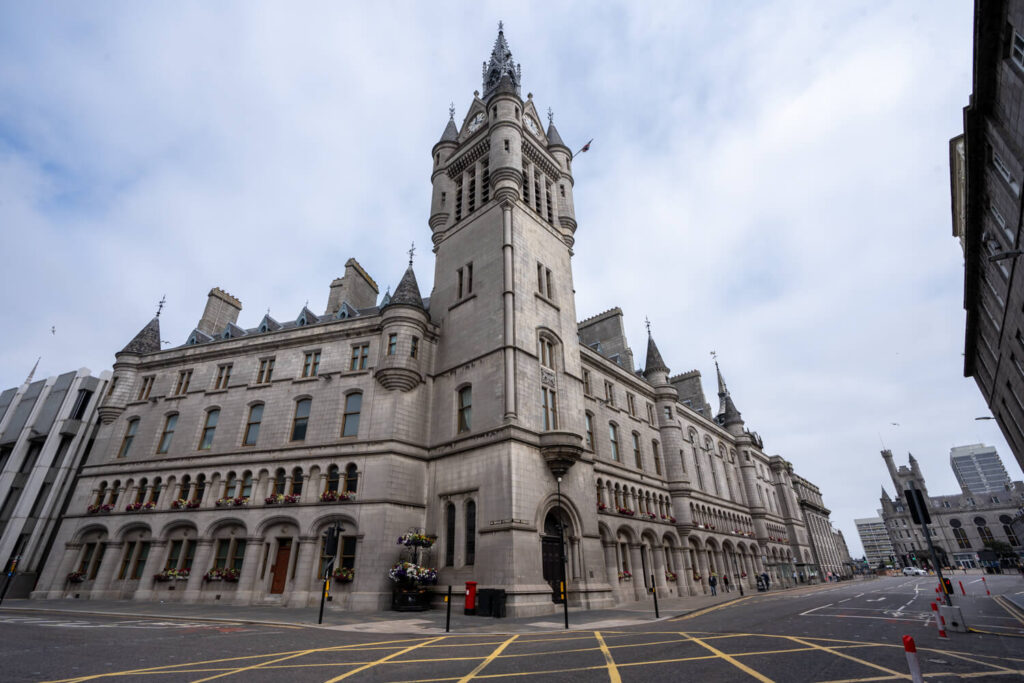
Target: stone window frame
167,433
463,412
249,423
130,430
311,363
299,400
208,429
347,414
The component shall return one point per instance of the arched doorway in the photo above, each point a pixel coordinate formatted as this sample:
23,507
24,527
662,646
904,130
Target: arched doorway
556,523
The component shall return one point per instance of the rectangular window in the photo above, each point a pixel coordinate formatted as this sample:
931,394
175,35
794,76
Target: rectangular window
657,457
206,441
465,409
631,404
223,376
613,436
471,190
360,354
140,560
536,191
609,394
252,426
311,364
547,198
415,348
458,198
464,277
266,371
301,420
184,377
168,434
392,344
1004,171
550,409
350,420
586,382
637,456
1017,50
129,436
173,555
546,352
650,413
129,551
590,431
220,559
146,388
485,181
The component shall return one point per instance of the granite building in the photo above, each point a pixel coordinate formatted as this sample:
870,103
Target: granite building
46,430
961,525
485,415
987,167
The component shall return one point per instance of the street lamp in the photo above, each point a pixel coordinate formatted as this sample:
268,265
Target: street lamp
561,553
984,418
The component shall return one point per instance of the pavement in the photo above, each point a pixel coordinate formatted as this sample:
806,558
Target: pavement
430,621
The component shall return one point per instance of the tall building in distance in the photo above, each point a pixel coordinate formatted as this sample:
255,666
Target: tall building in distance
875,539
987,170
978,469
484,423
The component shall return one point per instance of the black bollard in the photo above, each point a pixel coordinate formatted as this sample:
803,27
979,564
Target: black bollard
654,592
448,617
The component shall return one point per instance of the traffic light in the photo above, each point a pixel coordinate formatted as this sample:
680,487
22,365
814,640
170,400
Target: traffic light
917,505
331,542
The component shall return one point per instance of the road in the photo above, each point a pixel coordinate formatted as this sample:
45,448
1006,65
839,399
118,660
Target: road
846,632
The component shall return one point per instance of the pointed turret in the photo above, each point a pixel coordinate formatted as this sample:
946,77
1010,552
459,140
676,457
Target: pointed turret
554,139
727,412
654,363
408,291
147,340
885,494
451,131
501,74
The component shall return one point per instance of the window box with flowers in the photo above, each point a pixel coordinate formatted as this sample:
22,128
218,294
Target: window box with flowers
696,577
336,496
135,507
601,506
669,518
625,511
670,576
232,502
281,499
625,575
105,507
226,574
344,575
172,575
181,503
76,577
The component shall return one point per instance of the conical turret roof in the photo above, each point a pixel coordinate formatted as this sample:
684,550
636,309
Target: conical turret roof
654,361
408,291
147,340
553,137
727,411
451,132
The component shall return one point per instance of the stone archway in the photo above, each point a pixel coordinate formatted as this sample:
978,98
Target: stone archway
557,524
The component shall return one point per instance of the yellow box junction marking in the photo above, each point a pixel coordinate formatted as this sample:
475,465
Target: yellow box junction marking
613,671
721,655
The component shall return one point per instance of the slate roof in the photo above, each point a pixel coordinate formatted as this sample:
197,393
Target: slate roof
654,361
553,137
408,291
451,132
147,340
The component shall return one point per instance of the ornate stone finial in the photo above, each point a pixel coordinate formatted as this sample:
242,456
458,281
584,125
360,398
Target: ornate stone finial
412,251
501,26
160,306
451,111
500,67
551,116
307,303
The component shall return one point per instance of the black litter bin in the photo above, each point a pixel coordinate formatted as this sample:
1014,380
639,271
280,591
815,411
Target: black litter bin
760,585
484,602
498,603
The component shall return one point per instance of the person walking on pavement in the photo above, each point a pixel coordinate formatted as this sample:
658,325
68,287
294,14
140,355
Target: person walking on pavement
767,581
725,582
713,583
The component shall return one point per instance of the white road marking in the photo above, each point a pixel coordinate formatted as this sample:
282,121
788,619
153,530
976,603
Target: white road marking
842,601
876,599
804,614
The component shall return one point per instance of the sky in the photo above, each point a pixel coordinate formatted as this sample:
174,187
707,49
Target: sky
768,180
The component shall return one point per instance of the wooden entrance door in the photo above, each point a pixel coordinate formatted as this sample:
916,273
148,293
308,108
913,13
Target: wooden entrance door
551,564
280,568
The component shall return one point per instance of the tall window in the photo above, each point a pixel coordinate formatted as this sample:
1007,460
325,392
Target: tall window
246,485
301,420
961,539
147,386
230,553
657,457
637,456
206,441
392,344
346,555
129,436
550,409
609,394
415,348
464,281
590,431
168,434
470,532
351,478
230,485
983,530
184,377
350,420
546,352
586,382
332,479
449,536
265,371
223,376
360,354
1017,50
613,436
280,480
311,364
252,425
296,487
465,417
631,404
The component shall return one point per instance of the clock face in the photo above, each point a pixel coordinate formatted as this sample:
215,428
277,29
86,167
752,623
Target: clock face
532,125
477,121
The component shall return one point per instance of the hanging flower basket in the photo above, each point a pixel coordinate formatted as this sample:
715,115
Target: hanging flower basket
76,577
344,575
412,539
281,499
412,575
336,496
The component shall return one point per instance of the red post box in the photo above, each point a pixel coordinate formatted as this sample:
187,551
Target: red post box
470,597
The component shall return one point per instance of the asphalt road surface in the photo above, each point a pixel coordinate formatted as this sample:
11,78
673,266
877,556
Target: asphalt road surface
847,632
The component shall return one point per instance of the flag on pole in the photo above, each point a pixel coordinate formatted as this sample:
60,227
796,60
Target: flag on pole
584,148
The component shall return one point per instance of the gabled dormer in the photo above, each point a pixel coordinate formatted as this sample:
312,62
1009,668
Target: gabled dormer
268,324
232,331
306,317
198,337
345,311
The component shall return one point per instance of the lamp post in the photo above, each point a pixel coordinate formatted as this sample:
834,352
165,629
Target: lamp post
561,554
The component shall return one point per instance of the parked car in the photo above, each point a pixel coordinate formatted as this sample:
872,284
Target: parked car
914,571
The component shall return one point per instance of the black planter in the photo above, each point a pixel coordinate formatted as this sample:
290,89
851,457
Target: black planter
410,599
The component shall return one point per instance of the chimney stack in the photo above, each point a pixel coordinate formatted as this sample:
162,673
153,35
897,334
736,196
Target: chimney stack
221,309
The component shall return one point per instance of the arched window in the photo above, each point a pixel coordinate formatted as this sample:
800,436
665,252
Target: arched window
115,491
184,487
229,486
351,478
200,487
165,438
465,413
657,457
1007,522
252,425
983,530
279,481
206,441
470,532
101,493
613,436
129,436
449,536
961,538
590,430
301,420
247,484
296,481
637,456
157,489
332,479
600,492
140,491
350,420
546,352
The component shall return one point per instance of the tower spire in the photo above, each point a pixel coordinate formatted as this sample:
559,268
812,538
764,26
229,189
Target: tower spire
501,72
727,411
32,372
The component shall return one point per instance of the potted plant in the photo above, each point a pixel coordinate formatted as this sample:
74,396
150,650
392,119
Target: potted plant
179,504
670,576
281,499
192,504
411,580
601,506
172,575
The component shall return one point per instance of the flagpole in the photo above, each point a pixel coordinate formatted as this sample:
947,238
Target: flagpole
584,148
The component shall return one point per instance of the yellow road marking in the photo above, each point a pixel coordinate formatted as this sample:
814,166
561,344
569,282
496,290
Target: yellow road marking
364,667
253,666
850,657
738,664
702,612
976,661
490,658
1002,602
613,671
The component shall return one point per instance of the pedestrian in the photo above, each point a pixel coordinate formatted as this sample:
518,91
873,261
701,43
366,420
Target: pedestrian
713,583
767,581
725,582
